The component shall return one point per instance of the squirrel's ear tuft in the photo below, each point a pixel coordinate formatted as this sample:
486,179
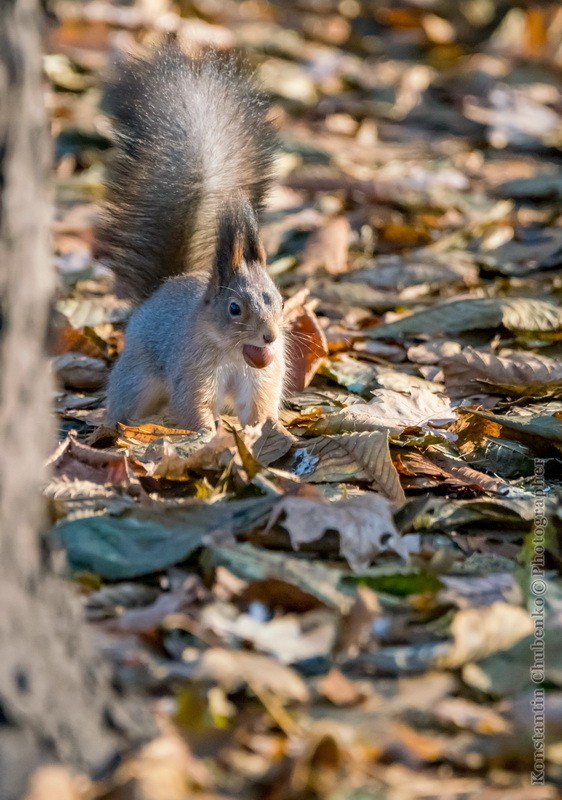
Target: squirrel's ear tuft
237,239
253,248
237,251
229,247
262,255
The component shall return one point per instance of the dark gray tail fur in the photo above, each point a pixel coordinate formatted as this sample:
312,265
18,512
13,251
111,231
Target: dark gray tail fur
191,133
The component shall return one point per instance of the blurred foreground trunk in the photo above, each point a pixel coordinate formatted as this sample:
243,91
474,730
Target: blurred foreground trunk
55,698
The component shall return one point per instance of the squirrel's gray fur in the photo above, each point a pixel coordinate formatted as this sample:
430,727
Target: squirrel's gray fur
180,231
189,133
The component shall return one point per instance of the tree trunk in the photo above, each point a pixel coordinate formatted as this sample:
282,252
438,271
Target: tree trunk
55,697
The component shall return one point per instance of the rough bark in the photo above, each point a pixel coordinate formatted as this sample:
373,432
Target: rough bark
55,697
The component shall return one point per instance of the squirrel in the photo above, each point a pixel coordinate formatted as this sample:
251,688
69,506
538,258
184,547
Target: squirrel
193,160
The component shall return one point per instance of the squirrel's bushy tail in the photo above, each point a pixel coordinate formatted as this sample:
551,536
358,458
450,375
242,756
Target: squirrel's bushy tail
191,133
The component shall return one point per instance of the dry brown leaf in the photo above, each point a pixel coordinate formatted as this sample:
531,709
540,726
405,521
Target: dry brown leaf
425,269
88,34
469,715
91,497
339,690
172,453
77,371
167,463
327,247
351,457
515,375
263,444
307,345
477,633
142,434
391,411
406,235
272,442
472,431
364,523
279,594
287,637
245,457
465,475
356,629
82,341
235,669
77,461
166,769
413,463
213,455
412,745
147,618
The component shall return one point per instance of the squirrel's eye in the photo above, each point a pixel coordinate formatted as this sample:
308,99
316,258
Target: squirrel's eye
234,310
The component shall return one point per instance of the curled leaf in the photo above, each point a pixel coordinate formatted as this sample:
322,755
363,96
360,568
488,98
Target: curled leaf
306,343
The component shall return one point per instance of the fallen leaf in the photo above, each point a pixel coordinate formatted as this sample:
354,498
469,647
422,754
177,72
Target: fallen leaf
350,456
521,258
166,768
396,273
257,565
466,475
148,433
476,590
77,371
174,454
364,523
521,315
354,375
84,341
145,541
146,619
467,715
390,411
345,294
113,599
480,632
539,187
547,427
89,312
513,116
77,461
307,348
515,375
234,670
339,690
288,637
327,247
268,442
508,459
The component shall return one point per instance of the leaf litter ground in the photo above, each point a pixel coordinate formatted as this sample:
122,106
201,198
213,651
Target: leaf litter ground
344,605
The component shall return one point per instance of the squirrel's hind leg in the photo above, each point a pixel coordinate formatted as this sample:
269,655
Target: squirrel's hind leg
134,392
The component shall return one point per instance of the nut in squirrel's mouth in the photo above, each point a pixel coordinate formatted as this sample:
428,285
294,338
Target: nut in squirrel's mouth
258,357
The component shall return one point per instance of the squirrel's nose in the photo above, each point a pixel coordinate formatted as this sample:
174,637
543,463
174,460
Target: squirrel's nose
269,337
